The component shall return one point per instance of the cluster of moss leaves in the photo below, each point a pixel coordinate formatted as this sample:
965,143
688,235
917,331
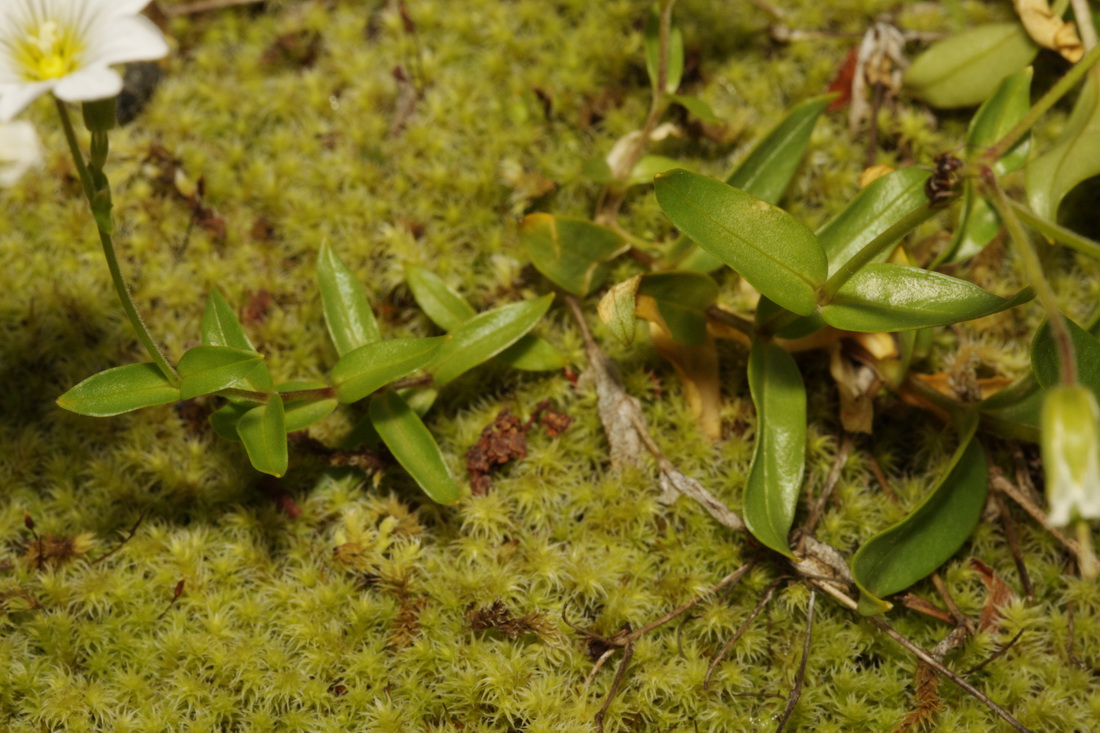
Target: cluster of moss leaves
356,614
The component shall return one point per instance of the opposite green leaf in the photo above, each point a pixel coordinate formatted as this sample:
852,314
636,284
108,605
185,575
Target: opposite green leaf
674,69
207,369
446,308
779,457
413,446
224,420
963,70
118,390
220,327
894,559
682,299
886,297
364,370
300,414
485,336
532,354
263,431
1074,158
348,315
572,253
767,246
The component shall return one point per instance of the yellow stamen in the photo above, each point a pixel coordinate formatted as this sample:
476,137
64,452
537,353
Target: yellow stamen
48,52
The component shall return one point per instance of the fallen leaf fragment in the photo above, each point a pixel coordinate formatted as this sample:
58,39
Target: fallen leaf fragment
1048,30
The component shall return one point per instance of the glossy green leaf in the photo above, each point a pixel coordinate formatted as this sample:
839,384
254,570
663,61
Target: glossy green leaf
886,297
413,446
485,336
118,390
574,254
779,457
446,308
366,369
207,369
873,211
263,431
1046,363
300,414
765,172
1074,158
220,327
674,70
224,420
449,310
650,166
897,557
1014,412
963,70
698,109
348,315
767,246
978,221
682,300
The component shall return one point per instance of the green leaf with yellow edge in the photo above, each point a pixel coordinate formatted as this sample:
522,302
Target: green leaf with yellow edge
874,210
220,327
767,170
300,414
899,556
682,299
885,297
449,310
771,249
674,69
963,70
485,336
779,457
574,254
118,390
413,446
1074,158
348,315
616,309
978,221
366,369
207,369
263,431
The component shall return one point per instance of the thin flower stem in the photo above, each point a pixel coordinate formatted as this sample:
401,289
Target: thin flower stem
1086,561
1034,270
1056,92
112,258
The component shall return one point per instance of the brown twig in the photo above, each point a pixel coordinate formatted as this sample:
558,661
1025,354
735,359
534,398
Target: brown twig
880,476
959,616
998,482
1080,664
129,536
830,484
1000,652
800,676
628,652
1014,544
768,593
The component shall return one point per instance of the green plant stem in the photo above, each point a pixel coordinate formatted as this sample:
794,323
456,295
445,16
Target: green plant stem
112,258
1058,233
1086,559
1056,92
1034,268
871,250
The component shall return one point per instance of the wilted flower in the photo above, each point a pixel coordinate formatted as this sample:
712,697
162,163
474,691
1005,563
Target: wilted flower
20,151
67,47
1071,453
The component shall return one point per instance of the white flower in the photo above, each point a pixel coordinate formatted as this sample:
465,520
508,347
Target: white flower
67,47
20,151
1071,453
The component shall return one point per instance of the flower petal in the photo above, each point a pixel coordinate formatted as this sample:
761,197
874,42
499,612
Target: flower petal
124,7
118,40
97,82
14,98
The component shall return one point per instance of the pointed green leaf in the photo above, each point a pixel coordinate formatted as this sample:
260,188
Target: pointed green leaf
1014,412
533,354
224,420
118,390
220,326
963,70
767,246
364,370
300,414
207,369
485,336
572,253
779,457
263,431
886,297
698,109
413,446
884,202
682,300
348,315
1046,362
446,308
897,557
1074,158
674,70
649,166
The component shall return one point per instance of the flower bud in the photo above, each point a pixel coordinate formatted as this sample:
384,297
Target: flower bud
1071,453
100,115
